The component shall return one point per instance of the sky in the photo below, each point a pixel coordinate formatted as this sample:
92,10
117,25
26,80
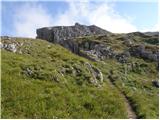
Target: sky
22,18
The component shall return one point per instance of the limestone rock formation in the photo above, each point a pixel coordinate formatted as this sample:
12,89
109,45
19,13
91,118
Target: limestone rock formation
97,76
10,44
61,33
98,52
141,51
64,35
101,48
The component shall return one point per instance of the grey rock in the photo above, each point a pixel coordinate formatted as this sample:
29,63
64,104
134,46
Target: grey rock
5,37
97,51
69,70
133,34
55,78
123,57
10,47
29,72
140,51
86,45
61,33
64,35
155,83
97,76
70,45
128,42
152,33
10,44
92,49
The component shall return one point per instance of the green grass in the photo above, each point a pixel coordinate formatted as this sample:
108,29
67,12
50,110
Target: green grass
40,96
137,86
49,92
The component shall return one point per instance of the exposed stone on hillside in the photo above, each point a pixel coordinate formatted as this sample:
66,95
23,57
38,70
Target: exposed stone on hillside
93,76
152,33
98,52
37,72
101,48
71,45
61,33
123,57
97,76
133,34
64,35
141,51
10,44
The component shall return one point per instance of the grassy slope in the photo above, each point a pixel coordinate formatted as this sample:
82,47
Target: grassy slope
137,87
73,96
40,97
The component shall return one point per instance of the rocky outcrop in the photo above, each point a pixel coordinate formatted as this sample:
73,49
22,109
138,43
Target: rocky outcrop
9,47
36,72
93,75
10,44
62,33
70,45
141,51
152,33
99,49
99,52
97,76
123,57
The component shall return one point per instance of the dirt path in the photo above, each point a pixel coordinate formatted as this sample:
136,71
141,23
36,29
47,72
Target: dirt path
130,111
129,108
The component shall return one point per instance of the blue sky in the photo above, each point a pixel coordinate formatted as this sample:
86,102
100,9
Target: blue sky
22,18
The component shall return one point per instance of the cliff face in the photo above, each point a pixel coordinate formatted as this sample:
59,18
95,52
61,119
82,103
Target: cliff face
61,33
97,44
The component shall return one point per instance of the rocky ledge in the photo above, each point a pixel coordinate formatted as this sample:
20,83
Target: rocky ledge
135,44
60,33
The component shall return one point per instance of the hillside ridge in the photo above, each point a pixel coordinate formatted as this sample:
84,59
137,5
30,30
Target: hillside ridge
89,76
70,38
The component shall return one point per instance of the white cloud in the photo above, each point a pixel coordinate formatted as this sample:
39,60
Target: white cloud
151,29
105,17
30,16
101,14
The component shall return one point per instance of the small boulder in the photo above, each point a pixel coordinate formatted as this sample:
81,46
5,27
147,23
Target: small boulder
155,83
97,76
12,47
123,57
